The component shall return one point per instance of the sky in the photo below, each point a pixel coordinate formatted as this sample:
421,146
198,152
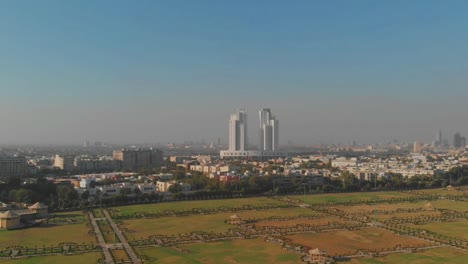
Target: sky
169,71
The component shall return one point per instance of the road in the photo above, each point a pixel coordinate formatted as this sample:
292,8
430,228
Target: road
123,240
101,241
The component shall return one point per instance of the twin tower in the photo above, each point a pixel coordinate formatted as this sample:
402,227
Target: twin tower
238,139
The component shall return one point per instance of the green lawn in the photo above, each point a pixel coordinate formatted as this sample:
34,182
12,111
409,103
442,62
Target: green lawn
188,205
46,234
349,197
433,256
451,205
236,251
452,229
88,258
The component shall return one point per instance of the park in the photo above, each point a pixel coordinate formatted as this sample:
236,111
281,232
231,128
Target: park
422,226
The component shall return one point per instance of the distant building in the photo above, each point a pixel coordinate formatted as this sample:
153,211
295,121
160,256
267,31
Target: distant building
459,141
163,186
268,131
65,163
92,164
134,159
268,146
147,188
343,162
417,147
238,131
12,166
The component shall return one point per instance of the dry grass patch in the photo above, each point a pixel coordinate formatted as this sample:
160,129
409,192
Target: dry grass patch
380,207
339,243
302,221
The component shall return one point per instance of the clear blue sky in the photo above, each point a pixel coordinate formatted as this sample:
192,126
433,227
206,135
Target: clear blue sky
159,71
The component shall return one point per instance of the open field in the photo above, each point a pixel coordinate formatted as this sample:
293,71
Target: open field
189,205
349,197
348,242
432,256
452,229
451,205
383,217
363,208
46,234
443,191
253,250
301,221
236,251
88,258
142,228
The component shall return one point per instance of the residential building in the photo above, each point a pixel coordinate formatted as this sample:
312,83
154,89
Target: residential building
12,166
65,163
134,159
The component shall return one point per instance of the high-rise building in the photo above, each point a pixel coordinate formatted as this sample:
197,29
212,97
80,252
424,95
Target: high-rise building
268,131
238,144
65,163
459,141
416,147
238,131
12,166
439,138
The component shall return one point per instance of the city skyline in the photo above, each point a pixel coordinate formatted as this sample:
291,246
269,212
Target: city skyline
122,72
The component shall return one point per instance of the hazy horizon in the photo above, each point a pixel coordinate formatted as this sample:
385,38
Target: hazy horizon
147,71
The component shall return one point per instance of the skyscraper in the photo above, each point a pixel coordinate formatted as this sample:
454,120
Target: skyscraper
268,131
459,141
238,143
439,138
238,131
416,147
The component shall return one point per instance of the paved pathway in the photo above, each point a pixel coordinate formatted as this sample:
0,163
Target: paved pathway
101,241
123,241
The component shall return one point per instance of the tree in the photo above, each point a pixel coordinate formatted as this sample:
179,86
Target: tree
85,195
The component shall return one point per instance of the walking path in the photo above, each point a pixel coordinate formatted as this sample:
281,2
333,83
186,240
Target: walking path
101,241
123,241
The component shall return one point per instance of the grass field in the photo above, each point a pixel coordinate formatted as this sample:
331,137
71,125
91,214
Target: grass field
88,258
383,217
188,205
349,197
46,235
236,251
433,256
299,221
452,229
142,228
443,191
362,208
254,250
347,242
451,205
